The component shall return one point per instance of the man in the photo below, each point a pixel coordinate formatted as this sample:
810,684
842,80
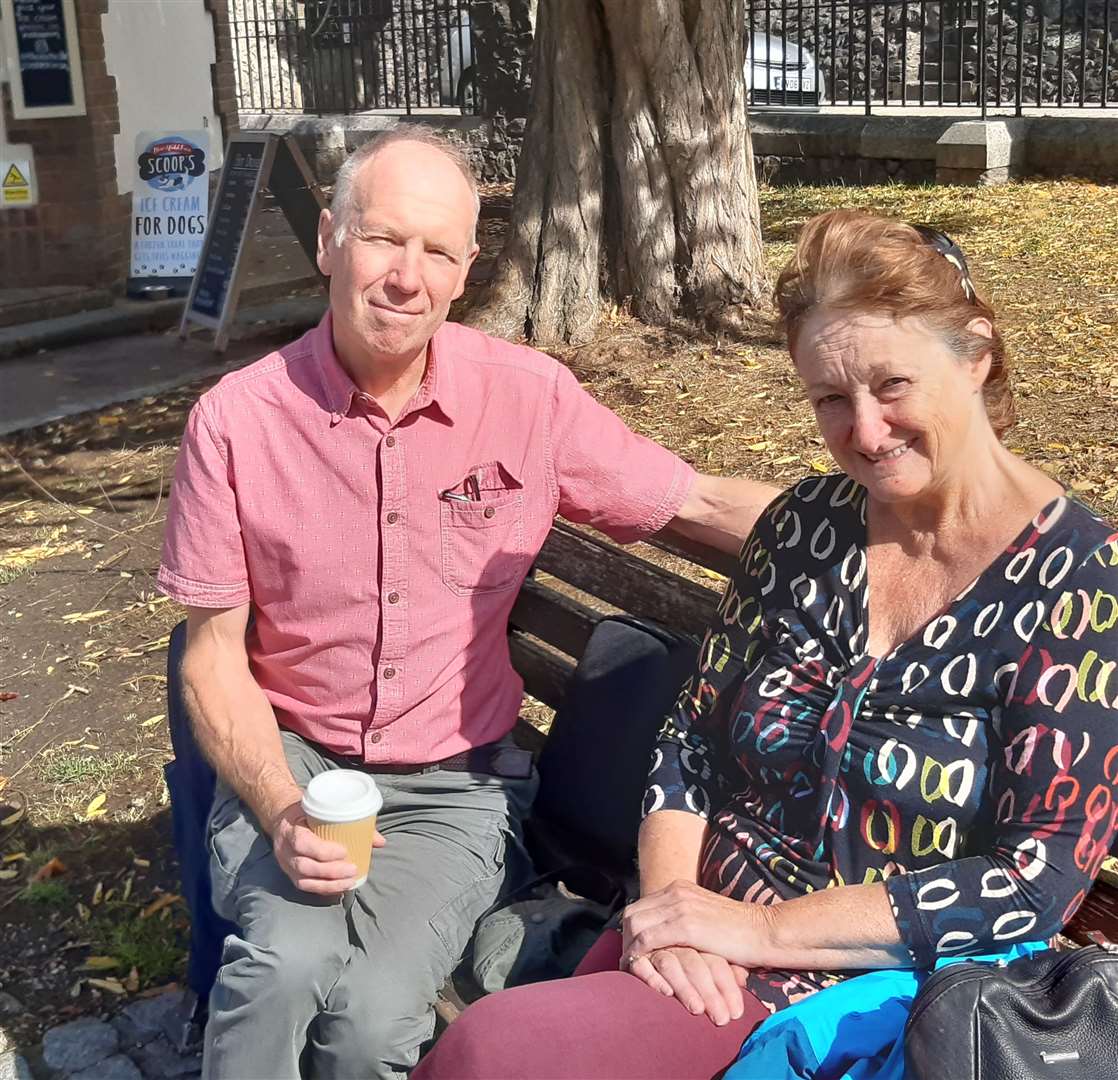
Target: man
376,493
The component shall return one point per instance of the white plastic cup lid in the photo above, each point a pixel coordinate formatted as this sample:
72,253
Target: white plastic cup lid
339,795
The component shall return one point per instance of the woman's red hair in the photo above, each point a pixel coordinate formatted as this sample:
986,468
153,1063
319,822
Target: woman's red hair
849,260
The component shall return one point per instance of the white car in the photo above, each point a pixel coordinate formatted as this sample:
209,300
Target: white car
780,72
777,72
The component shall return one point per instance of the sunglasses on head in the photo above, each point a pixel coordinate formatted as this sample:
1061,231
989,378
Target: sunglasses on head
941,242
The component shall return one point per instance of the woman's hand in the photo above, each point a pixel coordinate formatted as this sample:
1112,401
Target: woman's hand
685,914
701,982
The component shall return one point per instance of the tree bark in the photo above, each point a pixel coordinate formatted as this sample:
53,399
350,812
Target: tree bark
636,182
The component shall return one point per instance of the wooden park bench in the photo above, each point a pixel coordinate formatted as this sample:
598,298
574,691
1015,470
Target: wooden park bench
579,578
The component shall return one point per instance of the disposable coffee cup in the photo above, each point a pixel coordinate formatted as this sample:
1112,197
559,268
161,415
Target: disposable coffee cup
342,805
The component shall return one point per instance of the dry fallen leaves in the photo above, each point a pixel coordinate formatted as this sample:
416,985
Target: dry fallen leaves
165,901
53,868
84,616
113,986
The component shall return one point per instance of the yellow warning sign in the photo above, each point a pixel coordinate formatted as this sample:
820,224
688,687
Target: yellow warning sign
13,178
17,177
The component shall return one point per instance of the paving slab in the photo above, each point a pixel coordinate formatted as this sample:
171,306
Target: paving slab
144,1020
67,381
117,1067
160,1059
135,317
79,1044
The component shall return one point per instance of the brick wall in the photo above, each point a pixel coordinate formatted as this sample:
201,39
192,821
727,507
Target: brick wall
79,232
224,80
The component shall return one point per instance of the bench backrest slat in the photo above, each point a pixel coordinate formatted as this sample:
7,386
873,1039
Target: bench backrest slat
552,617
545,673
627,582
1098,912
691,550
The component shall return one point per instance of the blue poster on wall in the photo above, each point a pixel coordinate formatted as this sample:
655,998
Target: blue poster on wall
170,203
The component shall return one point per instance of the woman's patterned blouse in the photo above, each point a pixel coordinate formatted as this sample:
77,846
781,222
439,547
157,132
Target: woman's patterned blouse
974,769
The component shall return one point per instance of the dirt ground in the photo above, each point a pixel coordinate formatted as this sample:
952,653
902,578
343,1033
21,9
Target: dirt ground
89,911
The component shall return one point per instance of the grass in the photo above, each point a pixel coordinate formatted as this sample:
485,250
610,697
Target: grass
155,947
49,893
68,767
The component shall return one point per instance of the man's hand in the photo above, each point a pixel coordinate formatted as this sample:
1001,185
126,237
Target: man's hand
701,982
314,865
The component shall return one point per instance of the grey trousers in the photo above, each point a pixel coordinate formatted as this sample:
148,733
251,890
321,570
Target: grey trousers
344,989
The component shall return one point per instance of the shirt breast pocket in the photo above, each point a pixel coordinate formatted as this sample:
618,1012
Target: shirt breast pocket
481,520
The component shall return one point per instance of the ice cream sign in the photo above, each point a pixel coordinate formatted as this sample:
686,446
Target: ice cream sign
170,203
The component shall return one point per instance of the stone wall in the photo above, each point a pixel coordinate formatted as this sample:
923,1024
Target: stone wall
921,43
503,32
781,170
836,148
221,71
791,147
493,144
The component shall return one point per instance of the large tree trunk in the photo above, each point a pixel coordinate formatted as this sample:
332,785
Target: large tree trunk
636,180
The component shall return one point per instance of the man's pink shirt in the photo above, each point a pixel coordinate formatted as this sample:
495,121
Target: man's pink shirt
382,559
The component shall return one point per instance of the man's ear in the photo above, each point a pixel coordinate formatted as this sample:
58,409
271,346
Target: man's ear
326,248
466,264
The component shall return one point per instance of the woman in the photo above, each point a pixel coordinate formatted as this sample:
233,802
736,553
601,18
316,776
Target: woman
900,741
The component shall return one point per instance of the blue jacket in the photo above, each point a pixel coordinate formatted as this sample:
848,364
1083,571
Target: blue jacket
851,1031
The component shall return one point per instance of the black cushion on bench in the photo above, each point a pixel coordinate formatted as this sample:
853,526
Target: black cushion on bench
594,764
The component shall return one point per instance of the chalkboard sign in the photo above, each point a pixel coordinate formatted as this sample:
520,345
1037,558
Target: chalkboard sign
253,161
221,250
43,60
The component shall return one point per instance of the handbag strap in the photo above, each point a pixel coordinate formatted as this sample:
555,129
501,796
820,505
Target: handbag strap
616,891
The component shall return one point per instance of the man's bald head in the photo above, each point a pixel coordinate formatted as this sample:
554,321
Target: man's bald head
345,207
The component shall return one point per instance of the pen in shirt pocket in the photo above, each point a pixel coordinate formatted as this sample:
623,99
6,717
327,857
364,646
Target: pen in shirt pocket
471,489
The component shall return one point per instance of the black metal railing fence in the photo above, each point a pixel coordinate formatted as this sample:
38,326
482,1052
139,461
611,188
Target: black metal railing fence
966,53
346,56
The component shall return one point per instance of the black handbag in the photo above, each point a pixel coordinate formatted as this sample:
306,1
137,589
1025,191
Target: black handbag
1048,1015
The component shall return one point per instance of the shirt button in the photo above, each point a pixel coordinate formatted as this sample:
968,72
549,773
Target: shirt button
374,737
390,441
393,597
392,517
389,672
489,511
